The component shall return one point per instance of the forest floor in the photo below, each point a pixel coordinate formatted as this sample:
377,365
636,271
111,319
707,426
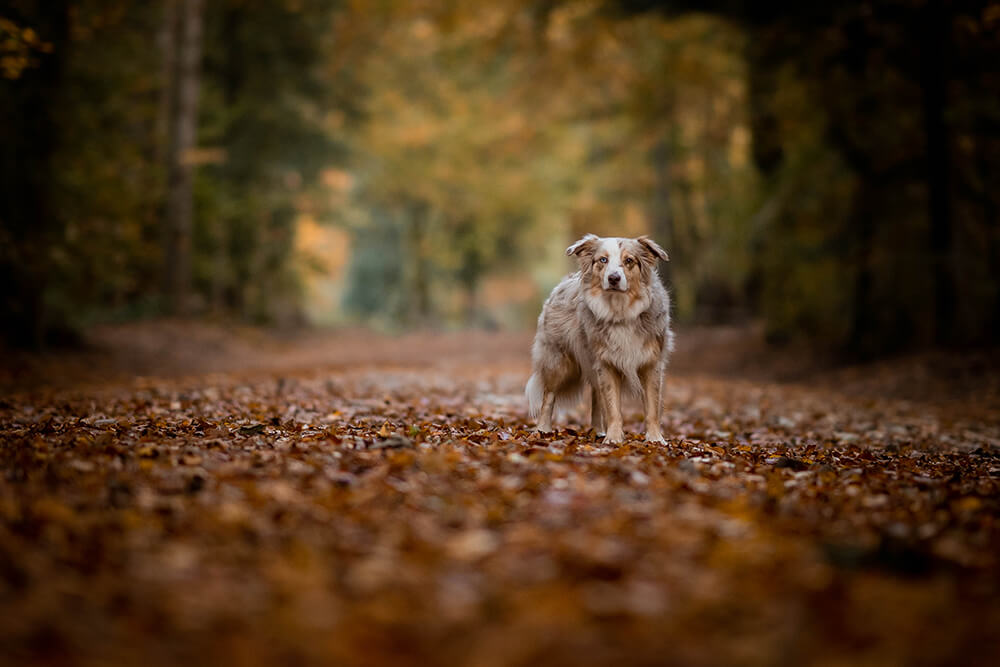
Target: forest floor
181,494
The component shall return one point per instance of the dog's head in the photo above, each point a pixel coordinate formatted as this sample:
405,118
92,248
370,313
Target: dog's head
617,264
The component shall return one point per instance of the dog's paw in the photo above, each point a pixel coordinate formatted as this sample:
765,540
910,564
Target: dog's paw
614,437
656,438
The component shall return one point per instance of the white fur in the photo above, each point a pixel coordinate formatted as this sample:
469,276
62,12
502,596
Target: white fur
614,266
610,308
626,349
534,391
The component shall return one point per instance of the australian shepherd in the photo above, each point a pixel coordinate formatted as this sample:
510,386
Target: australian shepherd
607,326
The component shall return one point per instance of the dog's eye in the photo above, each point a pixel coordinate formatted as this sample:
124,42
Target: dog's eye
603,260
629,261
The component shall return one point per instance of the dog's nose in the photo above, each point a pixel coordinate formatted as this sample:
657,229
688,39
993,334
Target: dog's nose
614,279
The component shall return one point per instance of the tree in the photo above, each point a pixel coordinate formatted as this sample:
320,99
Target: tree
872,166
103,215
29,135
506,124
267,92
184,86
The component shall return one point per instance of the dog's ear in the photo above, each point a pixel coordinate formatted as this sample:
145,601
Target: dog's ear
586,244
653,248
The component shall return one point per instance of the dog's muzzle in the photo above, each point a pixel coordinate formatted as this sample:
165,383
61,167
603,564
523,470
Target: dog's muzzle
615,282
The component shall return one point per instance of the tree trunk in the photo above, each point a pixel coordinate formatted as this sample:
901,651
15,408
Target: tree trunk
470,276
768,152
233,75
935,38
166,41
29,133
183,131
863,343
420,302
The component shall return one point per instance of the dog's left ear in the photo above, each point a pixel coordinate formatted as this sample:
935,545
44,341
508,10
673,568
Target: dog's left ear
586,244
653,247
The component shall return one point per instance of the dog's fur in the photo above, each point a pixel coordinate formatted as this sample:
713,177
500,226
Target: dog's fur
607,326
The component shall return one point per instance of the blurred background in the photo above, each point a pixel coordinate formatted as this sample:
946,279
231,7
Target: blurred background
827,171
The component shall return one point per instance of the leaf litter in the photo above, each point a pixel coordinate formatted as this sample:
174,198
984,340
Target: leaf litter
388,514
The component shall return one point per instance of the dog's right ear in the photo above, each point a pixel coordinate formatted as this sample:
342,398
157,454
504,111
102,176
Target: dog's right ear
586,244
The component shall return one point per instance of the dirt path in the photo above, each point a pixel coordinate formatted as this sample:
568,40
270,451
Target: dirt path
369,501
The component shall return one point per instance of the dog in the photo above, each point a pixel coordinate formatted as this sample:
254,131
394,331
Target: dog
606,326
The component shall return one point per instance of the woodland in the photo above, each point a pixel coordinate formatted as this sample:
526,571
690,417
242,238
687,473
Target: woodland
268,277
824,168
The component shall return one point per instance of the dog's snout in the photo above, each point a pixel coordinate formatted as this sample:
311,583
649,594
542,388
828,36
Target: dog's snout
615,278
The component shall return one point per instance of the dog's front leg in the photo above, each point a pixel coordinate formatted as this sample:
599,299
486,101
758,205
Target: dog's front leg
611,391
652,388
545,418
596,412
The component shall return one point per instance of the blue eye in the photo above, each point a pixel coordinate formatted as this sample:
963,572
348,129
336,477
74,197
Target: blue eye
603,260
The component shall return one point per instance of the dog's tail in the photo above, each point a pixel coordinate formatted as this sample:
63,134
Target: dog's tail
566,398
534,393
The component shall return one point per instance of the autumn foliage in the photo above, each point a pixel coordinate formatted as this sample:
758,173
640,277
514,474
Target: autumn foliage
366,501
825,168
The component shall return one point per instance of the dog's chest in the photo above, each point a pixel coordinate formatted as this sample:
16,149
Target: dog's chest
625,345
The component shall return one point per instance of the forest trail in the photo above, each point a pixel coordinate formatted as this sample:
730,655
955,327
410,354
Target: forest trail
368,500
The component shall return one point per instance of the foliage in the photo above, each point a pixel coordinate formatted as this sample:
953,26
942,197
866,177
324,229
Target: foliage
377,501
874,148
264,90
93,249
815,166
469,149
108,185
19,46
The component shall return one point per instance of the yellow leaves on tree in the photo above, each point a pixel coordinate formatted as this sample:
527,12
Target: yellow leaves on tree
19,47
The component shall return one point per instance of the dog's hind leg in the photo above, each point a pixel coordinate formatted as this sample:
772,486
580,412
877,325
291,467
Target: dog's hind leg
652,388
596,412
610,384
545,416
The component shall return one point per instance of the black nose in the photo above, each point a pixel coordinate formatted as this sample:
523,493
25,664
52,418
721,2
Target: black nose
614,279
